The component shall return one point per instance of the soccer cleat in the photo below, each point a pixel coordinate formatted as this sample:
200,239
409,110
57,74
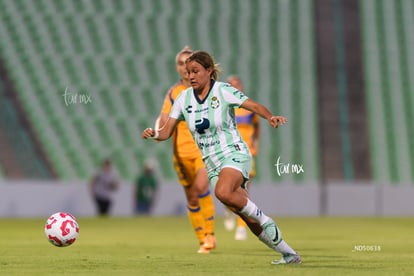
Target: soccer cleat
241,233
229,220
209,242
203,250
288,259
272,232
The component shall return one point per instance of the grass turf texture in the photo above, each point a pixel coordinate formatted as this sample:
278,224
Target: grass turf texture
167,246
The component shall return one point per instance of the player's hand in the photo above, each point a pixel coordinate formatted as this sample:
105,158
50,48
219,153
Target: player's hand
275,121
148,133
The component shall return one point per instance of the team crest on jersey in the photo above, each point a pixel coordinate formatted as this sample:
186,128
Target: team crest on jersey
215,102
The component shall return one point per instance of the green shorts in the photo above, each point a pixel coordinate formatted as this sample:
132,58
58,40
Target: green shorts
238,161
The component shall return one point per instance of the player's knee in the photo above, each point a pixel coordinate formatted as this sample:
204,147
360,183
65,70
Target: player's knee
223,195
192,200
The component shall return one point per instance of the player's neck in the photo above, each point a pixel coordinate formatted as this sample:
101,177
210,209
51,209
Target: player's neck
202,93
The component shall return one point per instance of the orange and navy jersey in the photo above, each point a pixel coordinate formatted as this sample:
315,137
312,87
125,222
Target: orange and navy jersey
184,145
246,123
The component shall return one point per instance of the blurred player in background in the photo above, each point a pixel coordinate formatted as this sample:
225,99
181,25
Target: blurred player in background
146,189
249,128
189,165
208,109
103,186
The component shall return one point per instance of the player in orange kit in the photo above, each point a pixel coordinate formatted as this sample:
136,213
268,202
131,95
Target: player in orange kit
189,165
248,126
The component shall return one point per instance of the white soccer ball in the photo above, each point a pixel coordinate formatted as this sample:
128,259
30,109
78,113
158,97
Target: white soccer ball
61,229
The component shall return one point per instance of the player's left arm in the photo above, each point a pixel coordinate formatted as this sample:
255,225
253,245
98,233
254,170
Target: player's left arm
261,110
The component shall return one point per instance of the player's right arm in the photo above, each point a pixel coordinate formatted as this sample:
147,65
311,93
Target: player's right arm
166,108
163,133
162,119
168,123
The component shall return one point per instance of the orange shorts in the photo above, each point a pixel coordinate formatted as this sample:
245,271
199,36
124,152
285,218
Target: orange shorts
187,169
253,170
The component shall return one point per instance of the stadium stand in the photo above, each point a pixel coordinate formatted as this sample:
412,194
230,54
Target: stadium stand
121,55
389,73
19,157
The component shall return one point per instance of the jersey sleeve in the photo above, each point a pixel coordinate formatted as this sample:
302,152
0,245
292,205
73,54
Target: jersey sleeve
233,96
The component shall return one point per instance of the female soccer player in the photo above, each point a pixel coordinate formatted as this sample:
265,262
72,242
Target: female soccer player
208,109
189,165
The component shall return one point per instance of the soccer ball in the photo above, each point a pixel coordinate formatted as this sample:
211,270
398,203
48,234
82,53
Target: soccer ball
61,229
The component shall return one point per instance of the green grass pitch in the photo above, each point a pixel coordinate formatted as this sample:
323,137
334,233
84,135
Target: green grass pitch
167,246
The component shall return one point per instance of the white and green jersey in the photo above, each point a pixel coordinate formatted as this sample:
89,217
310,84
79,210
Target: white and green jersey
212,121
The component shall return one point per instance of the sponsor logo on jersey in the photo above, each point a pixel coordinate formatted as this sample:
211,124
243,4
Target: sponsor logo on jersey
189,108
239,94
201,125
